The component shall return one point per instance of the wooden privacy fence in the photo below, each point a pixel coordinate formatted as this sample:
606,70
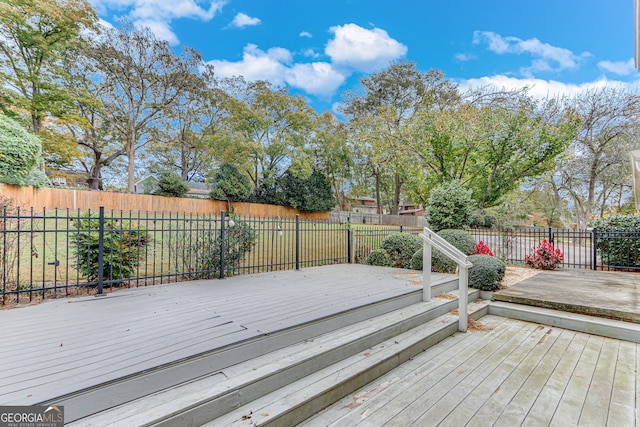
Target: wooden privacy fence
51,198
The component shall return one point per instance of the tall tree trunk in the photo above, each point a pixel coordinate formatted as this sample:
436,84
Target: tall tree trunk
396,195
131,166
378,195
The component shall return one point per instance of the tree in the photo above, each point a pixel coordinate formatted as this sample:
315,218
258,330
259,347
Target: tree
171,184
383,114
141,78
492,142
33,36
20,155
450,206
331,153
596,165
308,194
229,183
269,128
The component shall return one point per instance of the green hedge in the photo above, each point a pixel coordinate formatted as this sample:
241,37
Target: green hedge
619,250
440,262
400,247
378,257
487,272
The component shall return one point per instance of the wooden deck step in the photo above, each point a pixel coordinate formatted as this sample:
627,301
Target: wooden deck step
359,351
292,404
610,328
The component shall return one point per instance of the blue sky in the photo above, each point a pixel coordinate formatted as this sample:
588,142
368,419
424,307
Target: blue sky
319,48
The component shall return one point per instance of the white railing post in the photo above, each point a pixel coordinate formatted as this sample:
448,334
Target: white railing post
430,238
426,270
463,280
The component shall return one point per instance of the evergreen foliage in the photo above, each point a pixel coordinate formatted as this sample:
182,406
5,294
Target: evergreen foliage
450,206
171,185
20,155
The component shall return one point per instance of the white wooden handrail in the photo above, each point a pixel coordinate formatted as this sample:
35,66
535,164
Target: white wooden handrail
430,238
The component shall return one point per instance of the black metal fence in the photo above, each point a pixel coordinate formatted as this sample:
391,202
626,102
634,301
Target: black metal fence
64,252
592,249
366,239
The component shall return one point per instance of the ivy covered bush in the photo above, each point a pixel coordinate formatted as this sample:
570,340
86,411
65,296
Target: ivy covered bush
400,248
171,184
487,272
450,206
619,249
378,257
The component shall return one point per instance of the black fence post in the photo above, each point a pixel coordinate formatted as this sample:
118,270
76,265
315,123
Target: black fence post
223,217
100,249
297,241
349,241
594,260
551,235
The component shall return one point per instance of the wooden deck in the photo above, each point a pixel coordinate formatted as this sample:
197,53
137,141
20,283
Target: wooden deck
518,373
66,345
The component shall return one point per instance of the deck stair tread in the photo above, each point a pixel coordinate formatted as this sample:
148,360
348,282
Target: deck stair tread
596,325
351,347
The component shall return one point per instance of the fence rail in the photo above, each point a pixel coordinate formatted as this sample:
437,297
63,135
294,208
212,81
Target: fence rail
64,252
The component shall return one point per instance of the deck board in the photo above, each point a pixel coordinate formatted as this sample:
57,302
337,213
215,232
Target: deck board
541,376
67,344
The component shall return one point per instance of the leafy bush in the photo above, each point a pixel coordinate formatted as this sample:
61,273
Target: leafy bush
238,240
441,263
123,248
378,257
20,155
450,206
623,249
487,272
416,259
544,256
482,249
309,194
362,251
171,185
400,247
229,183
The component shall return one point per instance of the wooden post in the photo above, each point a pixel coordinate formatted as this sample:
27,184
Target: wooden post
463,280
426,271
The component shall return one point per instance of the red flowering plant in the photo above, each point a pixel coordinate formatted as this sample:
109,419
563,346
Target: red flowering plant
544,256
482,249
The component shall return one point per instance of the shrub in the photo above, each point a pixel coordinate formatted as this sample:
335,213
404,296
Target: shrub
123,248
621,249
20,155
450,206
378,257
238,240
440,262
171,185
482,249
361,252
400,247
487,272
416,259
544,256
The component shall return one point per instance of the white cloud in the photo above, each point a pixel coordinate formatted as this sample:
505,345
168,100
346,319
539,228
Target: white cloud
317,78
464,57
622,68
256,64
311,53
361,49
305,34
546,57
539,88
275,66
158,14
242,20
